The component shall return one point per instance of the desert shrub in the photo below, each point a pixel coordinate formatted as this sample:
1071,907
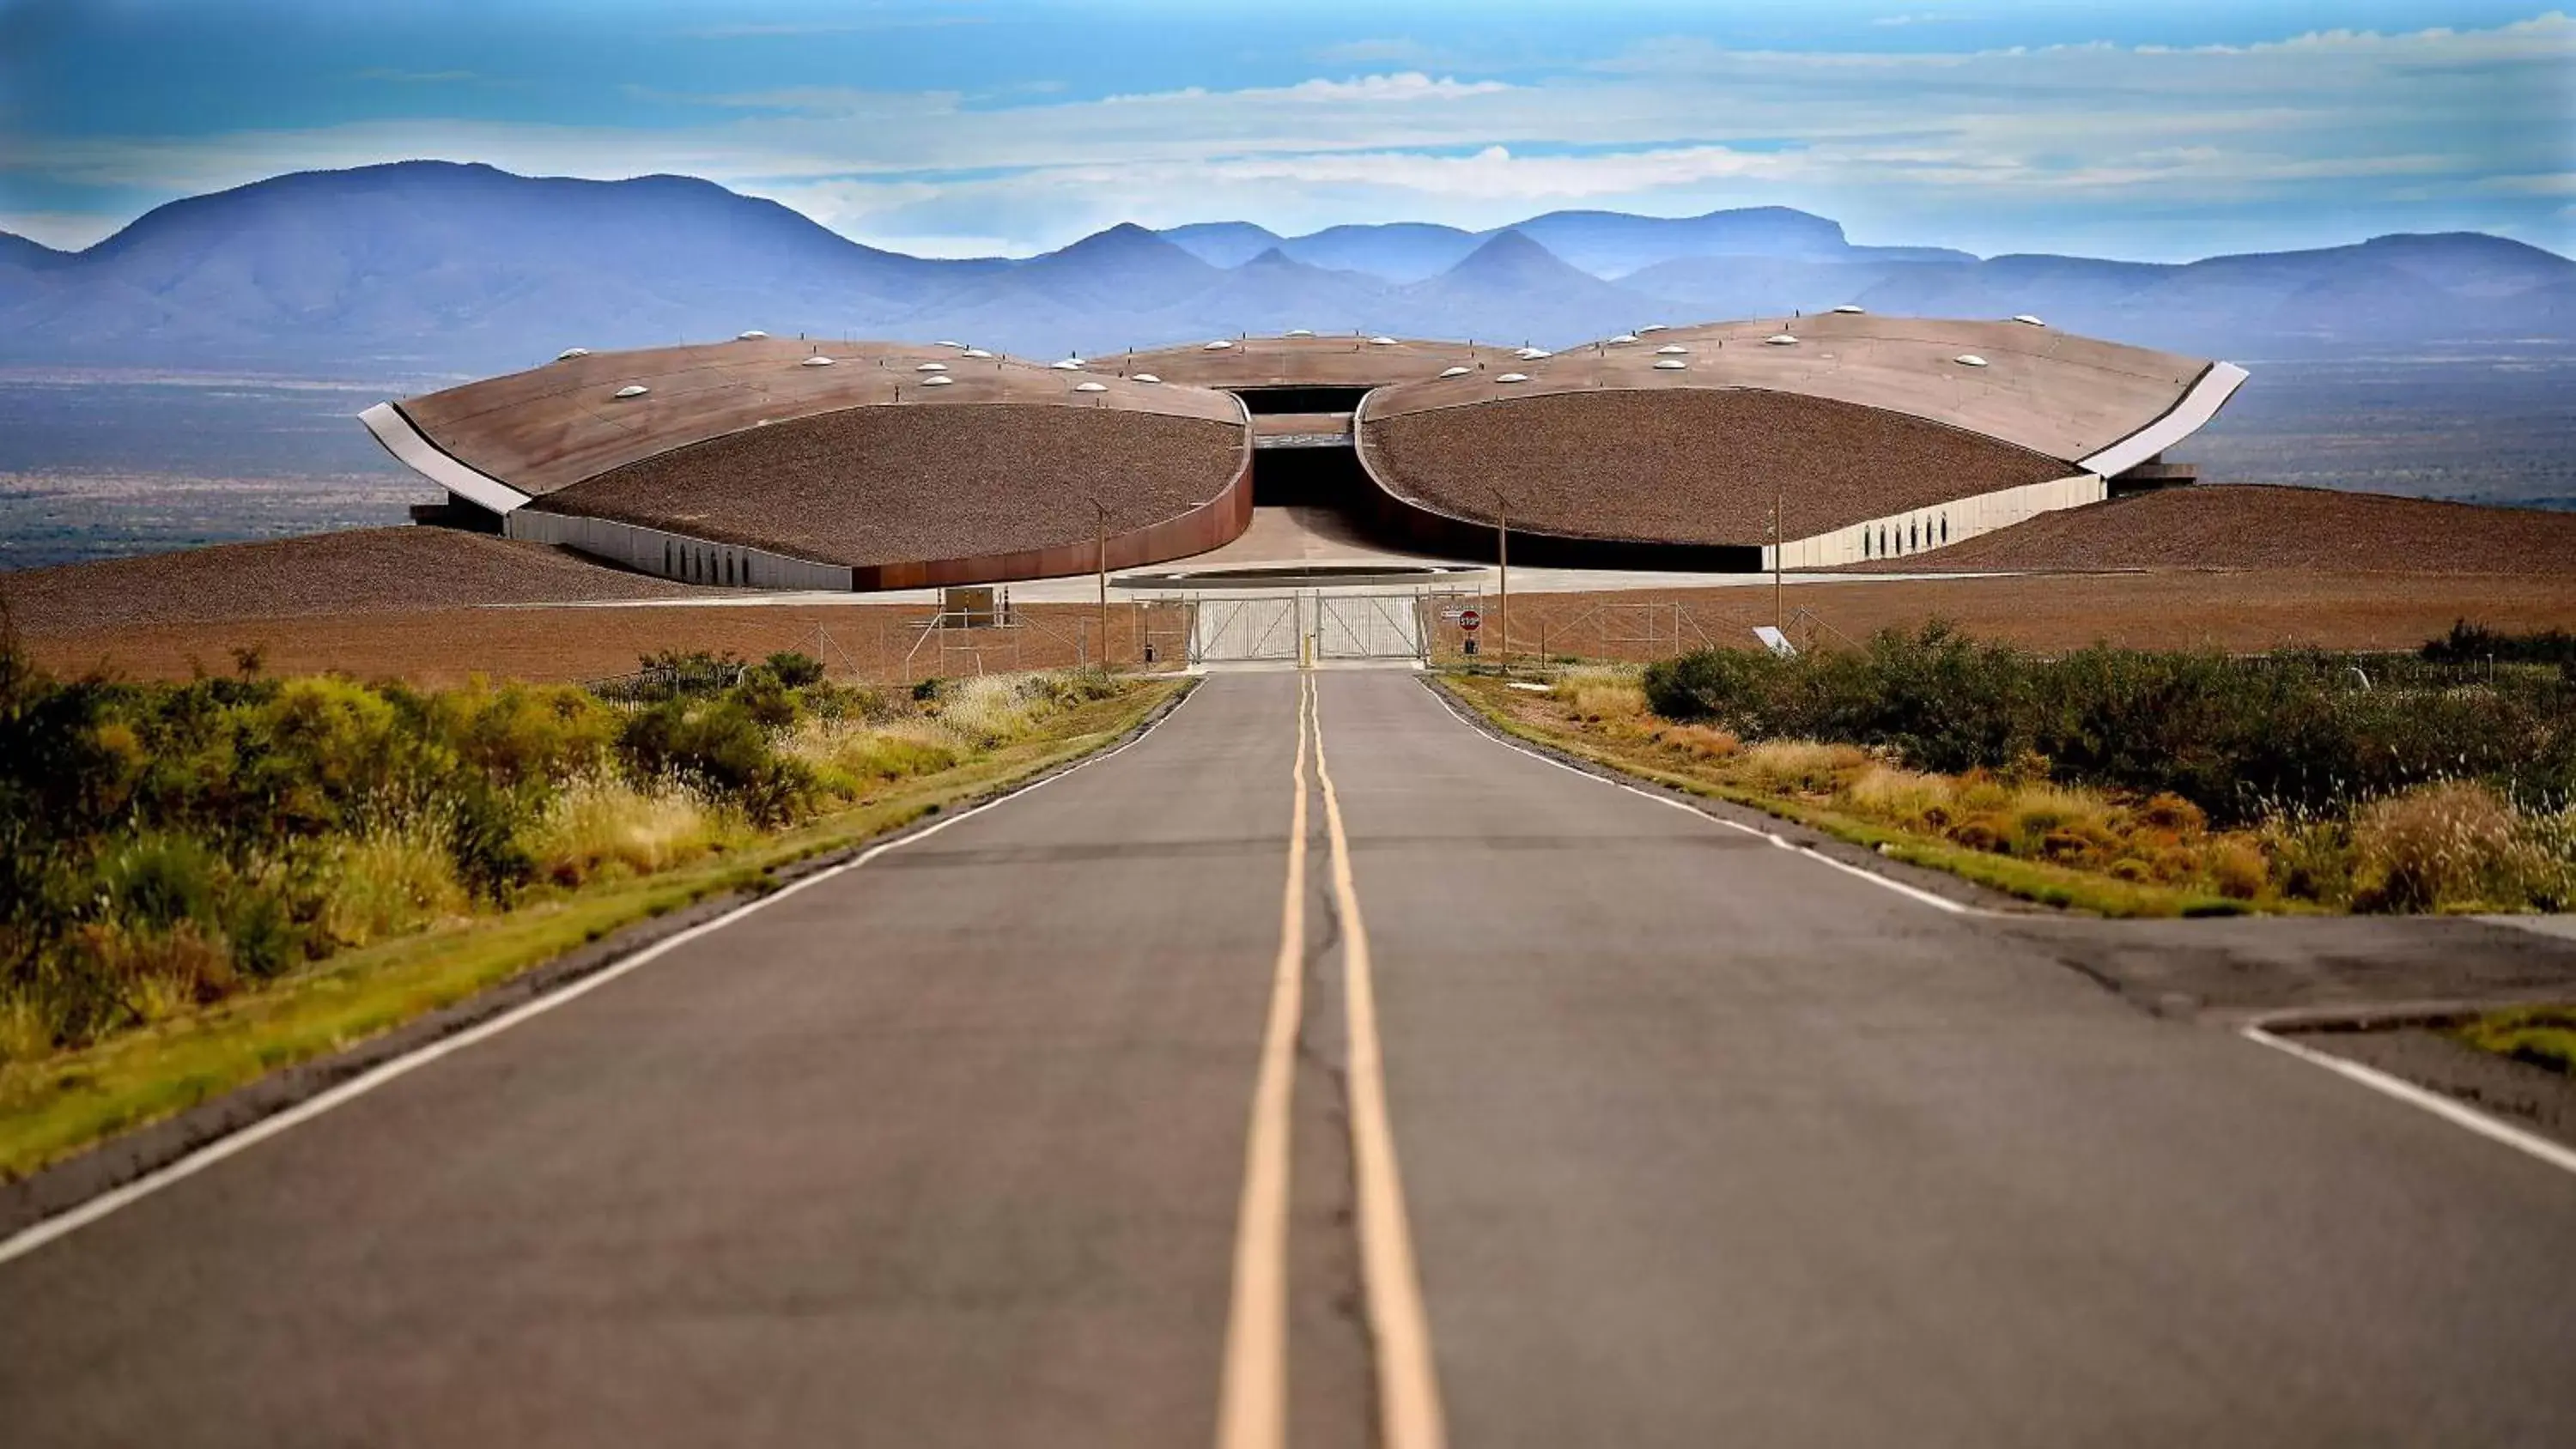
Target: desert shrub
1701,741
2237,738
161,844
2448,844
793,669
719,747
2469,643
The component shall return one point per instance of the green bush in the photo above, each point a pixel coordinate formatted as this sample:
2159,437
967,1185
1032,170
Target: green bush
162,843
2241,738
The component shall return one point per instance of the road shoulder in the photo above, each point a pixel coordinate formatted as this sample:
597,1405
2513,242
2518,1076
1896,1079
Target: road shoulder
124,1152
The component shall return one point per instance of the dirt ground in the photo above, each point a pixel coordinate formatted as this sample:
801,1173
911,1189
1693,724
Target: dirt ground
2175,609
447,646
2179,609
2252,526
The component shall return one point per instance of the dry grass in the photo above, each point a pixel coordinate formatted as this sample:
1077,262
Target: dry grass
2452,845
1602,693
1799,767
602,825
391,881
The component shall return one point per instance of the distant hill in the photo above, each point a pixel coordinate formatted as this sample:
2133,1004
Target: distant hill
430,268
18,251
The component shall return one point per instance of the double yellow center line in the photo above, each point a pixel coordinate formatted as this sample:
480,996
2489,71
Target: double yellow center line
1253,1406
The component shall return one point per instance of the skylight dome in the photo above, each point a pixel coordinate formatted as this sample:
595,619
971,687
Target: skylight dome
1147,377
944,342
1849,310
974,352
816,361
1969,359
1513,377
1532,354
754,335
2027,320
1671,349
1457,372
1091,387
1220,345
939,379
569,353
1623,338
633,389
932,367
1298,332
1381,342
1780,339
1651,327
1070,364
1669,364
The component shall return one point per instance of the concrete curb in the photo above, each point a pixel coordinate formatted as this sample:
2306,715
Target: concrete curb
117,1160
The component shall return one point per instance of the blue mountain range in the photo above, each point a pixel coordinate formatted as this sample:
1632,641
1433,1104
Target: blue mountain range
428,268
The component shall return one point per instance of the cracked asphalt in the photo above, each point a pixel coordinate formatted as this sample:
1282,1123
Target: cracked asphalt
1700,1141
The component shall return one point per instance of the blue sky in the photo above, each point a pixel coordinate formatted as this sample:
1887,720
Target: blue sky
2159,131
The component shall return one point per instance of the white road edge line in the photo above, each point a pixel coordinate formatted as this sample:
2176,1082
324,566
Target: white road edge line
2555,1154
1252,1404
1409,1413
1916,893
72,1220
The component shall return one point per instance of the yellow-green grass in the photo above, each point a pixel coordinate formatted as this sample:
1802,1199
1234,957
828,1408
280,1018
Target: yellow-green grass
2543,1036
2044,882
55,1106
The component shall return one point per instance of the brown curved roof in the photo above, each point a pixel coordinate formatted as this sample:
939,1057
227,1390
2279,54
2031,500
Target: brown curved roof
876,486
1337,361
553,426
1683,466
2047,391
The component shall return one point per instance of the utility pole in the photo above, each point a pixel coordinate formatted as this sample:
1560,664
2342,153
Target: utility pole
1503,558
1102,540
1779,545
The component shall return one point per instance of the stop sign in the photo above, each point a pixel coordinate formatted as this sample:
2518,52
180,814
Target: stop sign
1468,620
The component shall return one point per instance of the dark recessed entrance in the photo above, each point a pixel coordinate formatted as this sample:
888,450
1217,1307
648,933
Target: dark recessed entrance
1301,399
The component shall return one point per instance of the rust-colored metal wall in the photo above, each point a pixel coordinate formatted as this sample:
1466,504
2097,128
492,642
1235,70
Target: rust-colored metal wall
1213,524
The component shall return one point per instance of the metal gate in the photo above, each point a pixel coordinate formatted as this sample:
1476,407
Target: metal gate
1368,626
1259,627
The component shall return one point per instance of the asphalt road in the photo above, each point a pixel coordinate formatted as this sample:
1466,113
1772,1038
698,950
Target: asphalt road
1694,1141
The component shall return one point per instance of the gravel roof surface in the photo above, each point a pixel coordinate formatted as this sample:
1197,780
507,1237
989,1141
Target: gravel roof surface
361,571
1694,466
2050,391
552,426
1342,360
2264,527
902,485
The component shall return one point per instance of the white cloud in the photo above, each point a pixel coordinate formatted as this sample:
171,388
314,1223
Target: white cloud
1990,149
66,231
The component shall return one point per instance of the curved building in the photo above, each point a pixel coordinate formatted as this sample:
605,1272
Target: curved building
877,465
842,465
1870,437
